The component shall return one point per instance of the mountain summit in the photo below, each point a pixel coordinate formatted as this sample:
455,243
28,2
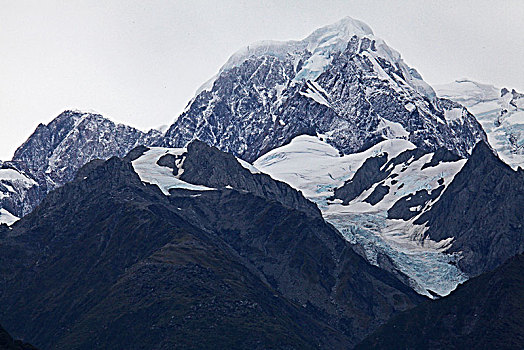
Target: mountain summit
341,82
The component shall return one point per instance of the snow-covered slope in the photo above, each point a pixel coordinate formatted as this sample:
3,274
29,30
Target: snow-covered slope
317,169
17,191
341,81
499,111
6,217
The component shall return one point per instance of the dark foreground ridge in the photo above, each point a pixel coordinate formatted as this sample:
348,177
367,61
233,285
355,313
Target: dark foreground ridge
484,313
108,261
8,343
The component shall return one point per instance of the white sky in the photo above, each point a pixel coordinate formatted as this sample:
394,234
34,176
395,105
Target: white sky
139,62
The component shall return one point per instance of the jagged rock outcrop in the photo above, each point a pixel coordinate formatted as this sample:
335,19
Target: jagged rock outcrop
482,210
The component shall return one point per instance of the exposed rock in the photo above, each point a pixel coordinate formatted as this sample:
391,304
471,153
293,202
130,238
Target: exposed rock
482,210
360,94
377,195
365,177
411,205
8,343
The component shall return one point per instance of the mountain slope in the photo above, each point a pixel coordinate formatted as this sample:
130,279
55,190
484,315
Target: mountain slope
482,211
8,343
373,197
484,313
499,111
51,156
180,264
341,82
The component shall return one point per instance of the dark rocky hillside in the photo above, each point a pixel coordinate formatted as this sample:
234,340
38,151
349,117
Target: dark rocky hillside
8,343
107,261
487,312
483,210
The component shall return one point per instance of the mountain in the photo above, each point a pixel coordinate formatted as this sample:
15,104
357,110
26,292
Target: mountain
499,111
373,198
481,211
340,82
54,152
162,249
484,313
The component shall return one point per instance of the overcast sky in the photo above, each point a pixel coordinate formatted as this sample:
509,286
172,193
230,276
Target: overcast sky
139,62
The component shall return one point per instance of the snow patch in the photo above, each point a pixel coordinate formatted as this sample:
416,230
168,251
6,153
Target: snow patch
13,175
248,166
7,218
150,172
392,130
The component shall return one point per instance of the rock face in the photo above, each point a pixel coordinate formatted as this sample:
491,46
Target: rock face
484,313
53,153
18,192
365,177
482,210
499,111
111,261
205,165
341,82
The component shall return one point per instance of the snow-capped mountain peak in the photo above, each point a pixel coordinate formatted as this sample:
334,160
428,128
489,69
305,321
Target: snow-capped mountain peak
328,39
341,81
312,55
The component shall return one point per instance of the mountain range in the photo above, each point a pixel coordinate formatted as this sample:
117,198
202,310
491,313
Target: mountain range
115,259
309,193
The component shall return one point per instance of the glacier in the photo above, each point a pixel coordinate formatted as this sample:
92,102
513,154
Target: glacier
316,168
